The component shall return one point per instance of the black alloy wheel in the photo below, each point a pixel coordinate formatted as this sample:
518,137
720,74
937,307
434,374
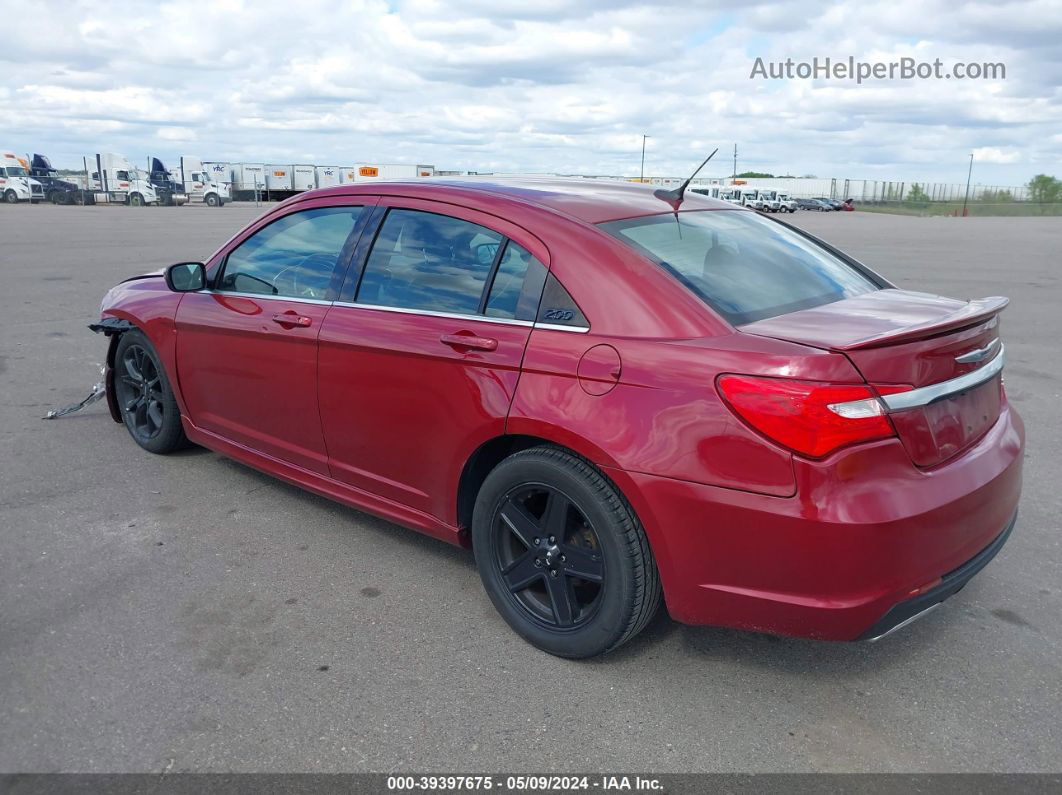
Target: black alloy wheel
142,390
549,556
562,555
139,391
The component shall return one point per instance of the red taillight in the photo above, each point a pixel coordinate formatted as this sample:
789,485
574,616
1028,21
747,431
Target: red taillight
810,418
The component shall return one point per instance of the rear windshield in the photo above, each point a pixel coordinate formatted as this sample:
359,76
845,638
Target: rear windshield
745,267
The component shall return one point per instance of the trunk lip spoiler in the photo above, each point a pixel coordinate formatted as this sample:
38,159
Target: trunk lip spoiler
973,312
923,396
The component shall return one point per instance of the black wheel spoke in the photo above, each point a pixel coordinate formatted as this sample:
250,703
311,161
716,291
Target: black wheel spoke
555,518
522,572
560,596
132,367
520,523
583,563
154,413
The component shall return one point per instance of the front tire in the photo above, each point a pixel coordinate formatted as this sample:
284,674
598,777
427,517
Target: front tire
10,197
211,200
149,409
562,555
136,200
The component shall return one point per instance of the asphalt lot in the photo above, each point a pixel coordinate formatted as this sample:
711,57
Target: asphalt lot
186,613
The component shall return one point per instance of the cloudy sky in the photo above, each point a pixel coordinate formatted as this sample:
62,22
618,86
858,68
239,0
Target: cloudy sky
536,85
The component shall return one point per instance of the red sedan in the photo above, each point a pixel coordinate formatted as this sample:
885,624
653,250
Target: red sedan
609,394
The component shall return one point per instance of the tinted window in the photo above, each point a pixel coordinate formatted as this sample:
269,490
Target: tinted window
292,257
427,261
517,284
558,308
744,266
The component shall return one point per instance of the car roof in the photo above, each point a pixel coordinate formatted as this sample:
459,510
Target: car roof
589,200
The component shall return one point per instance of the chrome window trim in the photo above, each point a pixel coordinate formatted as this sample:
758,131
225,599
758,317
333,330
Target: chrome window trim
505,321
401,310
925,395
557,327
263,296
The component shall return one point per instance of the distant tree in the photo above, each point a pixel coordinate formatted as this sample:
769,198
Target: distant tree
754,175
917,195
1045,190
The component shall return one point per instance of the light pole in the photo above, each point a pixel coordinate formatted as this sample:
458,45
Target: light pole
641,174
966,198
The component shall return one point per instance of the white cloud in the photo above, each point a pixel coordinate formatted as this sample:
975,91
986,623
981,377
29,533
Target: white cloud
537,85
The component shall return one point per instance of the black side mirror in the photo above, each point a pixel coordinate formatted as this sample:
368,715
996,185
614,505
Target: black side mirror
186,277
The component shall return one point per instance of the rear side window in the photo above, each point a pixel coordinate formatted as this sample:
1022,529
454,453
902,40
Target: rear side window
517,284
745,267
430,262
293,257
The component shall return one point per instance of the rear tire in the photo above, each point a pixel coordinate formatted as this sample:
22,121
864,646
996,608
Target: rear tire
562,555
143,393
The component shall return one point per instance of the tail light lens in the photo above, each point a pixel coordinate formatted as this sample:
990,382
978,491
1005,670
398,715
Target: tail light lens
810,418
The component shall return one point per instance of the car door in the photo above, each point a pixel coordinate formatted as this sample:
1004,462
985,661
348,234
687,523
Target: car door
247,348
420,358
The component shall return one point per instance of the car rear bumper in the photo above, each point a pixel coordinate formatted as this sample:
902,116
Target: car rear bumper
868,541
903,613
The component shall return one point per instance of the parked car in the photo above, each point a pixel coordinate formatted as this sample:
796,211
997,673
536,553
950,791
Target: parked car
812,204
832,204
609,394
848,205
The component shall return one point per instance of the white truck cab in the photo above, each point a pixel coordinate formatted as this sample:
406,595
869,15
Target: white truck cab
732,195
16,185
769,199
788,205
202,185
751,198
113,179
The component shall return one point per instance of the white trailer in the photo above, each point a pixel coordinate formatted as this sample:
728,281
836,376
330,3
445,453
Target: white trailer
248,180
303,178
278,179
16,185
379,172
111,178
327,176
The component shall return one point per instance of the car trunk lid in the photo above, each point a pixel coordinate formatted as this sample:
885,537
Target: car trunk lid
924,353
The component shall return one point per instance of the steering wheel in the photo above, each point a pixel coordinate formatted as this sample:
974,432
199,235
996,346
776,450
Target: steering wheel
309,278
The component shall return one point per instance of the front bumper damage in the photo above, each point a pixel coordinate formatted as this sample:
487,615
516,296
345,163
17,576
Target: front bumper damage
109,327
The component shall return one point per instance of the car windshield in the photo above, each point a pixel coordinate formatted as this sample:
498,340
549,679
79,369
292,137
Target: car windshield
17,171
744,266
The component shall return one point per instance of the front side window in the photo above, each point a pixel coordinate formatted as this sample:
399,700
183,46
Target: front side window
429,262
745,267
293,257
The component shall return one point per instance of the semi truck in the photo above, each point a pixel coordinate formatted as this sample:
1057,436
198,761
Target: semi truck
56,189
111,178
200,184
16,184
171,192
